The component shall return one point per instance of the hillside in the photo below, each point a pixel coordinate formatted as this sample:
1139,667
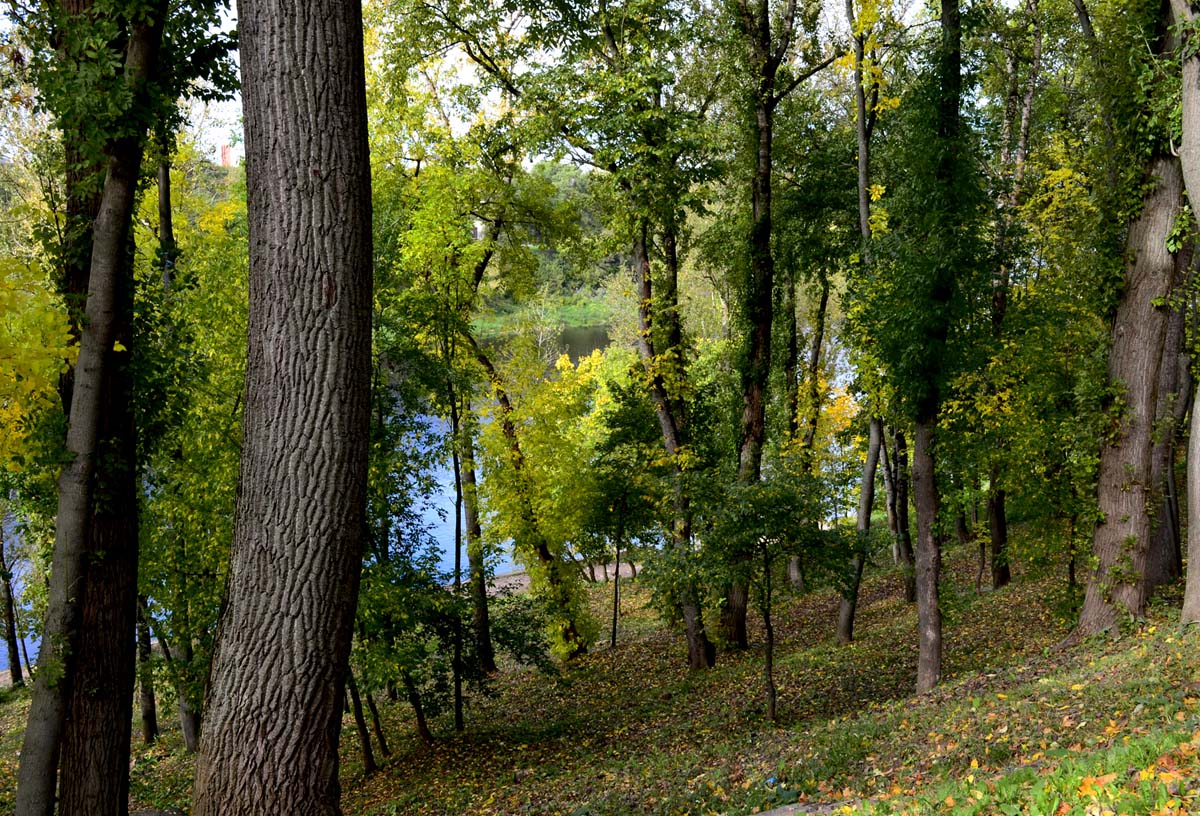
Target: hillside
1019,726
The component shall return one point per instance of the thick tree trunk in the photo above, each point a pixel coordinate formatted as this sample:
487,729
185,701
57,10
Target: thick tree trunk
146,675
95,754
283,642
10,614
1118,584
480,621
866,499
928,560
360,725
1164,558
96,414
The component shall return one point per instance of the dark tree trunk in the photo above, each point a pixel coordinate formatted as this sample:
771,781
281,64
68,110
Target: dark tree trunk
616,609
168,251
146,675
791,355
360,725
866,499
414,699
377,726
1118,583
998,535
64,713
457,662
280,660
189,712
10,614
479,599
813,406
95,754
908,560
928,560
769,630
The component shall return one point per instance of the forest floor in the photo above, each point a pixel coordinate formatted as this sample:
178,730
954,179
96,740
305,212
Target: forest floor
1018,726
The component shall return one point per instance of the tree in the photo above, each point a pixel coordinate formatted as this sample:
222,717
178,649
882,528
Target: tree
69,617
301,517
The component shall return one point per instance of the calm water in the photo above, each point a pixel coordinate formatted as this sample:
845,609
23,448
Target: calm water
576,342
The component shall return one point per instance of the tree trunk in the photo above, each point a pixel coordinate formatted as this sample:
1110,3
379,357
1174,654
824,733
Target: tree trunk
94,772
377,726
813,406
559,578
479,600
617,582
908,560
360,725
189,712
1118,583
146,675
1164,559
669,412
866,499
769,630
1189,155
998,534
283,642
414,699
928,560
10,613
1191,592
457,661
95,413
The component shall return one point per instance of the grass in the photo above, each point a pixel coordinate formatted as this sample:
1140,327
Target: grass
560,310
1018,726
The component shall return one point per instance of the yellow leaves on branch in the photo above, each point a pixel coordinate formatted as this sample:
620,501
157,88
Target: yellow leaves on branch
35,348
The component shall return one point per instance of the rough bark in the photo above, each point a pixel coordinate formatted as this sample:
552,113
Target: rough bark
928,560
273,713
10,614
84,608
866,499
1118,583
1164,557
146,675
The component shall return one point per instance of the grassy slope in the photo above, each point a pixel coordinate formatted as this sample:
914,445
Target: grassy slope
1018,727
